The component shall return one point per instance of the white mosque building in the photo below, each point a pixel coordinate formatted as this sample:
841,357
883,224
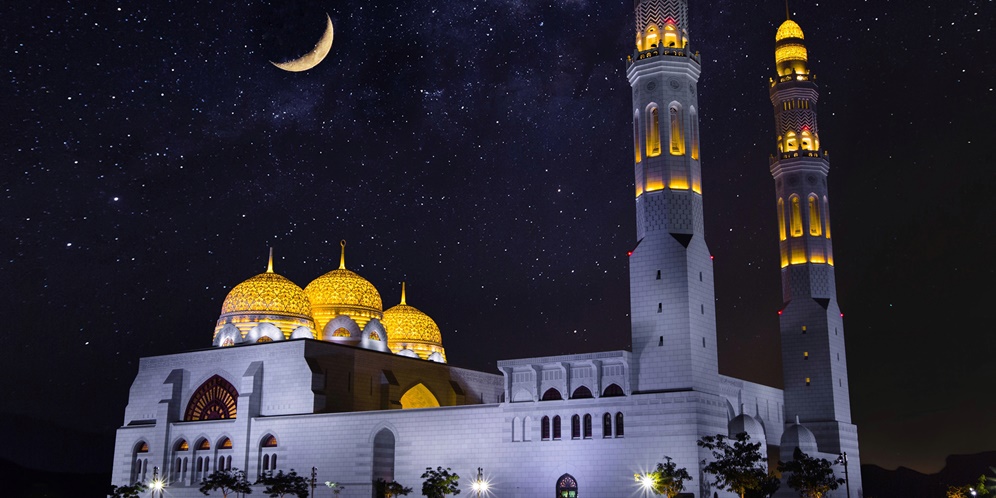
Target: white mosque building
323,377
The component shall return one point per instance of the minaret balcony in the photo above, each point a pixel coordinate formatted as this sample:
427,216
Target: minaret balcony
639,55
795,154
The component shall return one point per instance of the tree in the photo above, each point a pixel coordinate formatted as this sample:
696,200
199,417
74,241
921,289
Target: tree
134,491
391,489
282,484
440,482
738,467
666,479
226,481
811,477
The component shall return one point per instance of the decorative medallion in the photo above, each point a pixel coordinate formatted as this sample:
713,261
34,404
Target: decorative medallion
651,85
793,181
675,84
811,179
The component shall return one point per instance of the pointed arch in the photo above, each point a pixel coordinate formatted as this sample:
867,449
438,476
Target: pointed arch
516,429
791,143
677,141
582,392
653,131
826,215
613,390
807,140
552,394
607,425
556,427
384,443
527,428
545,428
575,426
795,216
215,399
418,396
815,222
619,425
636,136
694,121
567,486
586,426
781,219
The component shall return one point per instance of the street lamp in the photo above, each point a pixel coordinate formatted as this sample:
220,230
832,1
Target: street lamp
843,460
156,485
972,491
647,481
480,485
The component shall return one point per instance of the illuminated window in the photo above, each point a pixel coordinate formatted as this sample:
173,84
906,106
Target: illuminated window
619,425
795,217
695,134
225,444
636,136
826,216
182,445
807,381
374,336
556,427
807,140
228,341
607,425
677,134
805,355
140,461
575,427
670,35
790,142
215,399
545,429
815,225
205,445
781,219
651,37
567,487
269,442
264,339
340,332
653,132
587,426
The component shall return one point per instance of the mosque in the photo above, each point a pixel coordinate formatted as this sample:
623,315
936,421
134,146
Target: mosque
324,378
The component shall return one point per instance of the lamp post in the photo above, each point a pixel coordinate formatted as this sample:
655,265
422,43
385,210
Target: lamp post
314,470
480,486
842,459
156,485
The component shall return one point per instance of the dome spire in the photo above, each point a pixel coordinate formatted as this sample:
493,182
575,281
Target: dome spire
342,257
269,264
787,16
403,293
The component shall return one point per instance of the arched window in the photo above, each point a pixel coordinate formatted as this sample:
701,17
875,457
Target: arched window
790,142
581,393
636,136
140,461
695,133
269,442
795,216
552,394
613,390
266,463
781,219
383,461
826,215
545,429
651,37
527,429
607,425
204,445
587,426
215,399
677,134
670,35
807,140
418,396
556,427
619,425
225,444
815,224
267,453
516,429
567,487
653,131
575,427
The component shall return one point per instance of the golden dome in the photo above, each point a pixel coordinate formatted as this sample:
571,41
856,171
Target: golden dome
789,29
342,292
409,328
790,50
266,298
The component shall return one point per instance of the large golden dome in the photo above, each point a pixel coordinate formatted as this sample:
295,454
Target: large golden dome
266,298
342,292
409,328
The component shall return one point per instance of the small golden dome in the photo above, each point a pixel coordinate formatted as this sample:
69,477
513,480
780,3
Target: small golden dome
409,328
789,29
342,292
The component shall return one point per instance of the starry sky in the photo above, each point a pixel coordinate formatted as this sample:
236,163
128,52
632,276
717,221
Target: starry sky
480,151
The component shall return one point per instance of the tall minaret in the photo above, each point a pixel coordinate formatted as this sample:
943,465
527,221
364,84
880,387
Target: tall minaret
812,329
672,299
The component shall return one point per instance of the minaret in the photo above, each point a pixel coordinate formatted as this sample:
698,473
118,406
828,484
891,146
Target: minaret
812,330
672,299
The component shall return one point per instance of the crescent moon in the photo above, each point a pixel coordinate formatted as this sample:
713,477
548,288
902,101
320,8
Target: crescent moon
311,59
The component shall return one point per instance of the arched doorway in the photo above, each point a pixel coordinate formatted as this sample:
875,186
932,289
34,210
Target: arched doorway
567,487
383,457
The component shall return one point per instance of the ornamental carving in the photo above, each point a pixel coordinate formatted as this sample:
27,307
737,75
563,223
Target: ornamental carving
267,292
407,324
215,399
343,288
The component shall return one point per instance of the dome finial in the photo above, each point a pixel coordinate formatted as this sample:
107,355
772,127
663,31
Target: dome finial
403,293
342,257
787,16
269,264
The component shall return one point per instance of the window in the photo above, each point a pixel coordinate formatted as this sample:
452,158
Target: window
781,219
225,444
552,394
619,425
567,487
581,393
587,426
269,442
556,427
575,427
677,134
653,132
795,217
204,445
805,355
266,463
807,381
658,274
815,225
607,425
545,429
215,399
636,136
826,215
516,429
695,134
613,390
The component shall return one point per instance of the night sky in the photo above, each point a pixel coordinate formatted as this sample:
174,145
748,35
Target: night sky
481,151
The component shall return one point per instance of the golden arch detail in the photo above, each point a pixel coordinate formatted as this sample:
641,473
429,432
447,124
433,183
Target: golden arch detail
418,396
215,399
